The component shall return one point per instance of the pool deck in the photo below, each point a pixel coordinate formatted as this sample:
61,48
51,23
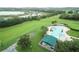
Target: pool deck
59,32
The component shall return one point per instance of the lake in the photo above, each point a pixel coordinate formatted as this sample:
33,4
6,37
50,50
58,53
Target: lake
11,12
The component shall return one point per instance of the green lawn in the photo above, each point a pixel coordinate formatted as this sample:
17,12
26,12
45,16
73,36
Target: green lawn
35,43
11,34
71,23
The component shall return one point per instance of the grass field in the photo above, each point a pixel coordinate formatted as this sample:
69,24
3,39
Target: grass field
11,34
71,23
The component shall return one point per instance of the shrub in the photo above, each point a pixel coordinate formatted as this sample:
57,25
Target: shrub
68,46
53,22
17,20
69,16
44,29
70,12
24,41
1,45
10,22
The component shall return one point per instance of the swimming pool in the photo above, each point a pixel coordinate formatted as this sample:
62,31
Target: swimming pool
57,31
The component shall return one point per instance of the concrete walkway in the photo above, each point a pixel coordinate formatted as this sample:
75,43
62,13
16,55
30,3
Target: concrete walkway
12,48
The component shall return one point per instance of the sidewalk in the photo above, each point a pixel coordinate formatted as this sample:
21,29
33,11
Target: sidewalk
11,48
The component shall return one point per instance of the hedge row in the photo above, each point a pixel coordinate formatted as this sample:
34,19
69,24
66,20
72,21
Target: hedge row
70,16
67,46
17,20
10,22
70,27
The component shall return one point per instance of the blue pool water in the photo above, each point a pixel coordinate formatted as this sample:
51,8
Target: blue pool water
57,31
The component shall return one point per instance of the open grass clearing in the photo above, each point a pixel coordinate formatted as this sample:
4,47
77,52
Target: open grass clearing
9,35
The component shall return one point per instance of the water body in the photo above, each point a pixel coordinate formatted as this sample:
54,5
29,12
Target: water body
57,31
11,12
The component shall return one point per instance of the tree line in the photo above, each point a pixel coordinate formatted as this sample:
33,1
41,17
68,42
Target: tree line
17,20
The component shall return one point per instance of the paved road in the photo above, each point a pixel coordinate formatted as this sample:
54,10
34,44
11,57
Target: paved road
12,48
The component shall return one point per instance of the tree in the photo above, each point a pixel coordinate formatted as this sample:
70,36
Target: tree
70,12
44,29
67,46
53,22
24,41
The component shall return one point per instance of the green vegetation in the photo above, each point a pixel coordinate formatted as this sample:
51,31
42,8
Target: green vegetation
9,20
15,20
70,16
70,12
24,41
67,46
74,33
44,29
37,36
11,34
73,25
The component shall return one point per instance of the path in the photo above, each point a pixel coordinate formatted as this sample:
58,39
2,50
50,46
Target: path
12,48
